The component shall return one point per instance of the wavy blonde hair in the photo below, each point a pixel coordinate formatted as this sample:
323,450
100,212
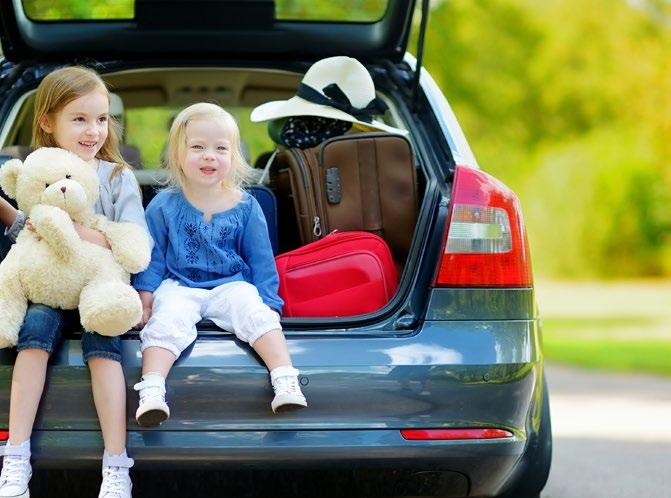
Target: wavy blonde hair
176,150
57,90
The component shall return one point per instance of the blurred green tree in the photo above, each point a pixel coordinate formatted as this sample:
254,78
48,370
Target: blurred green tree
569,102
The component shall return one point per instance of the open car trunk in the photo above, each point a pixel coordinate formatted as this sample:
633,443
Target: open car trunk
389,175
217,368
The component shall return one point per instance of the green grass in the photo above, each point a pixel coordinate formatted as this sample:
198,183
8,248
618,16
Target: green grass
606,343
620,326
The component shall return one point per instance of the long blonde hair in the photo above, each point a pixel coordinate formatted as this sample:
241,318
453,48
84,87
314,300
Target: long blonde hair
57,90
176,150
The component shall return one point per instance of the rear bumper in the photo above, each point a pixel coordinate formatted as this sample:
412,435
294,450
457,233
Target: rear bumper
361,389
483,465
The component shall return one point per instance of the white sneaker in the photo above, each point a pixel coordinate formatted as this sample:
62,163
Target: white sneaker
288,394
116,480
153,409
16,471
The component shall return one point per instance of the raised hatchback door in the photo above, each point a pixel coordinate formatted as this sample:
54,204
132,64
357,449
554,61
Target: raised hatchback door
205,29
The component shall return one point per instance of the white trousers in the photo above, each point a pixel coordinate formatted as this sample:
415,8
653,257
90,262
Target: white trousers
235,306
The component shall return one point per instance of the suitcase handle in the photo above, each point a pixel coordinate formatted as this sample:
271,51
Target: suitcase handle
266,168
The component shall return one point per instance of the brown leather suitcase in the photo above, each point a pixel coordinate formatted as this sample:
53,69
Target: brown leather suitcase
365,181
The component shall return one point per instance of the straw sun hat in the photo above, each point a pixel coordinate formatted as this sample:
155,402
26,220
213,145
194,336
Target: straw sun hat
337,88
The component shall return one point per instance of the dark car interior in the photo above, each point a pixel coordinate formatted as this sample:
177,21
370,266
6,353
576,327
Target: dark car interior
144,101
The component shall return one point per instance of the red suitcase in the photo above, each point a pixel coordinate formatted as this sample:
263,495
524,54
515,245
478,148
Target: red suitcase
343,274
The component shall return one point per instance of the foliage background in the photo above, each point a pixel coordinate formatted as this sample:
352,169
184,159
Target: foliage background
569,103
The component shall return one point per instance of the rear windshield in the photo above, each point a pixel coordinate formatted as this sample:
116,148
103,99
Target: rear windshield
146,128
289,10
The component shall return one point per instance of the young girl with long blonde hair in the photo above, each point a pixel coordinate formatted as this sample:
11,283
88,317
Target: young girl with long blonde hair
72,112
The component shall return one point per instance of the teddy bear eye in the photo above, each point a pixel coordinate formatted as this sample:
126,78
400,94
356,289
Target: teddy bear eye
46,185
68,177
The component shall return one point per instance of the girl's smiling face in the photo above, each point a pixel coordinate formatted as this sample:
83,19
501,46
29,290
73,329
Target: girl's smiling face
82,125
207,160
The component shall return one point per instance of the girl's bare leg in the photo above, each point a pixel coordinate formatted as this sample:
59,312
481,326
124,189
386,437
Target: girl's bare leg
109,396
157,360
28,378
273,350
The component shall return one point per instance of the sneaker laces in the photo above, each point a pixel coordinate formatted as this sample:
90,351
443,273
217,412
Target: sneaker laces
115,483
15,471
286,384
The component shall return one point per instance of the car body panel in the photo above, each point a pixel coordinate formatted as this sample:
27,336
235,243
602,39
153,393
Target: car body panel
352,381
474,304
488,463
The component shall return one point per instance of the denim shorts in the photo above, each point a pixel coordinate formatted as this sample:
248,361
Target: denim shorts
43,328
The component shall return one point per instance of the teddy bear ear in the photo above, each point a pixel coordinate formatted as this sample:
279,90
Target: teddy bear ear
9,172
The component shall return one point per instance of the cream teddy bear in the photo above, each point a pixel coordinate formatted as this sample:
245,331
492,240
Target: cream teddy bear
52,265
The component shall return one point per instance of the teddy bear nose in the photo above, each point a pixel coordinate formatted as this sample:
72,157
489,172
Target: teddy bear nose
63,189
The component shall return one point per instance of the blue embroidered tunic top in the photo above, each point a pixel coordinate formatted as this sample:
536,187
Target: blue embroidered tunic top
233,246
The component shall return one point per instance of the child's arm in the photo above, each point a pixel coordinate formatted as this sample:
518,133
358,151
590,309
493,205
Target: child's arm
15,220
12,218
258,253
127,199
127,237
151,278
147,299
91,235
7,213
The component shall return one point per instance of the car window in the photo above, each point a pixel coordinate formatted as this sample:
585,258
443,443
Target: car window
147,129
58,10
300,10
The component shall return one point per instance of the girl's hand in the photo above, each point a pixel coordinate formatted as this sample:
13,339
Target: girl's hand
91,235
147,299
30,227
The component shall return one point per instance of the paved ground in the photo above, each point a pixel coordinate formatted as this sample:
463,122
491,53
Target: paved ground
612,435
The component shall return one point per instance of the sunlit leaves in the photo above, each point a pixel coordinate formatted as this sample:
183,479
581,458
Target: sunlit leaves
344,10
45,10
569,102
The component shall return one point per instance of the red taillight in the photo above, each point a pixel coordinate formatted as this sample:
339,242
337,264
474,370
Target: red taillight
485,243
4,435
453,434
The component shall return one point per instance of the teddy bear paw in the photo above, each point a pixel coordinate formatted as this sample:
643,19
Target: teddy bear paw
110,308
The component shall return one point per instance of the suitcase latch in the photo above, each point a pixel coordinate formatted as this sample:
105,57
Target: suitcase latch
333,185
317,227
